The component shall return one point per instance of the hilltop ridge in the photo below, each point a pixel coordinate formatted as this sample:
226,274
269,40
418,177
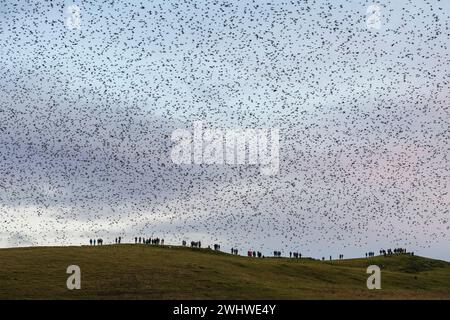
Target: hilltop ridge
170,272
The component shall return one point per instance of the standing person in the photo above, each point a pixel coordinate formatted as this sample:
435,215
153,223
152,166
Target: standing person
90,242
135,240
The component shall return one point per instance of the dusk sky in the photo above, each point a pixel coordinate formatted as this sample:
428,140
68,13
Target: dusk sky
89,103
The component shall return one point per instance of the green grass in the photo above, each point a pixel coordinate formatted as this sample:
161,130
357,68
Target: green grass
152,272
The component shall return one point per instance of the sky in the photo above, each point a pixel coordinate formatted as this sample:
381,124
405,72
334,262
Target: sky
89,102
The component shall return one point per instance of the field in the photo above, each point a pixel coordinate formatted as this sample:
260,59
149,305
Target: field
163,272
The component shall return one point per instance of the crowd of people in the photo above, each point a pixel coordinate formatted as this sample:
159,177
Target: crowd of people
196,244
389,252
97,242
395,251
254,254
250,253
154,241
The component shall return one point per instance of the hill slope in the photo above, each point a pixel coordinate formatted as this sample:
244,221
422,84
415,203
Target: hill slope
151,272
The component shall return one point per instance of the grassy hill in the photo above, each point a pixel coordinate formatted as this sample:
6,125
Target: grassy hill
156,272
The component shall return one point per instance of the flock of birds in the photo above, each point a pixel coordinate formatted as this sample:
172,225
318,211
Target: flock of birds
86,116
